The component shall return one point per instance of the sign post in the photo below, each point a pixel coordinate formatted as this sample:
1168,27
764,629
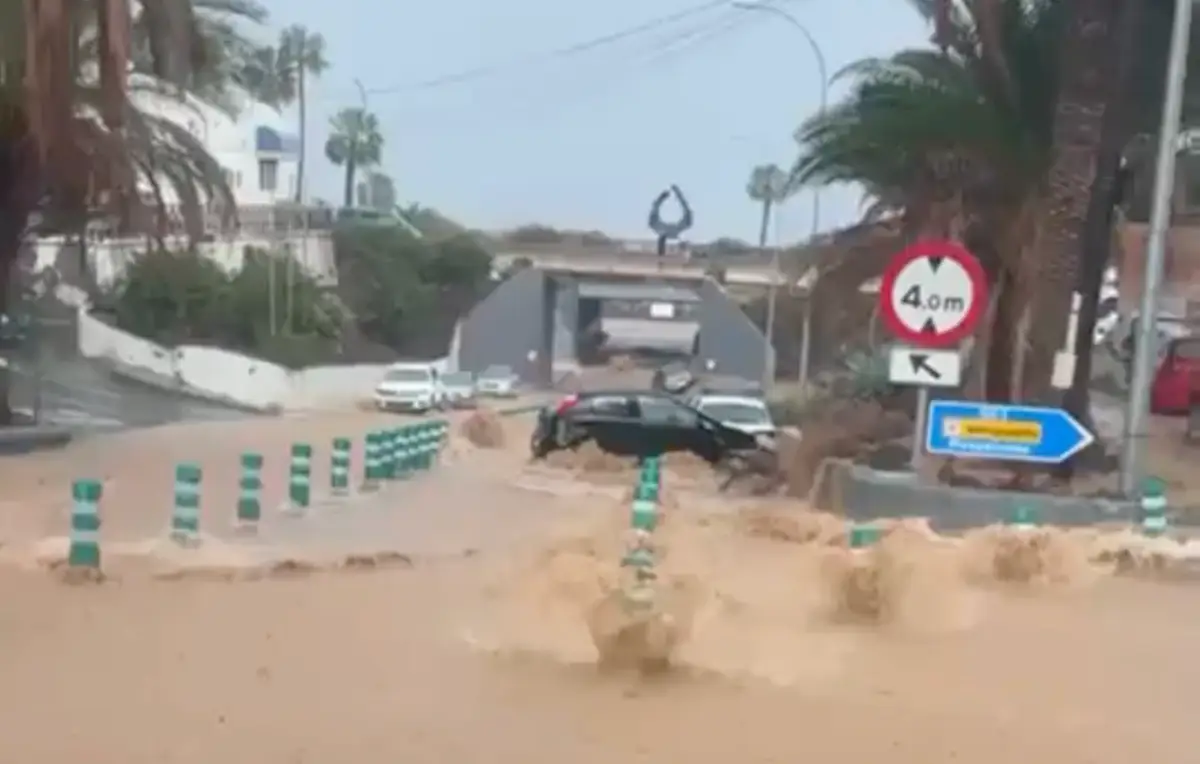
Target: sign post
932,296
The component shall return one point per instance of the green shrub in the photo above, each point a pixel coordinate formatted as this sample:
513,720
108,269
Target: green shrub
270,308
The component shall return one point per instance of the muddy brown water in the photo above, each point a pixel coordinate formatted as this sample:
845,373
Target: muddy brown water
489,657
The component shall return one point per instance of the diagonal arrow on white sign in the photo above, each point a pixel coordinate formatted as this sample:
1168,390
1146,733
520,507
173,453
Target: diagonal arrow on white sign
920,366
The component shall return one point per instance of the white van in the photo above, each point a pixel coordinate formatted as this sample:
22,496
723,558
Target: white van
414,387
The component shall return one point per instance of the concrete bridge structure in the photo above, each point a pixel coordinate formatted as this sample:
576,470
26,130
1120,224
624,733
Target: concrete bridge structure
751,269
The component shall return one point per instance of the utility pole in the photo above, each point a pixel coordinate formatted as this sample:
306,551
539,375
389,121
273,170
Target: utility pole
772,290
1146,341
823,73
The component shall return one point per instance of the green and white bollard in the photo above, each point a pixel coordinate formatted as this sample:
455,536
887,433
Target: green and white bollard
863,535
651,471
1154,507
250,484
412,450
433,444
442,436
640,555
416,440
84,549
373,461
339,467
1023,517
185,515
394,464
387,454
300,478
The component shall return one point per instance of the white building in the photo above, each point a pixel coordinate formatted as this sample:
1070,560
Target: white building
260,154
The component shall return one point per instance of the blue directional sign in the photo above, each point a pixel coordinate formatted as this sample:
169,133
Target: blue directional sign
1002,431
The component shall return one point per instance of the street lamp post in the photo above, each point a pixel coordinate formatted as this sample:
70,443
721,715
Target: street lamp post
1146,341
772,296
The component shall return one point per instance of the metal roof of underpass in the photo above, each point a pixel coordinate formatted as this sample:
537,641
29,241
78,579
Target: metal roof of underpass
595,290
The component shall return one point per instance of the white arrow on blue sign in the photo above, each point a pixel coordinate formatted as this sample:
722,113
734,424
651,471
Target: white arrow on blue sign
1007,432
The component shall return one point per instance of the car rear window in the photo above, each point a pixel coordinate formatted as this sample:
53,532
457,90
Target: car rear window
606,404
407,375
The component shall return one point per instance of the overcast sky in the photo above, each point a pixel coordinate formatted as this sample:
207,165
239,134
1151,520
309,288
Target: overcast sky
586,140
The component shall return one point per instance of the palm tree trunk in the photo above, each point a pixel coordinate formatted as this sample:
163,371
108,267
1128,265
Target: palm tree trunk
18,197
1105,197
765,226
303,108
1002,344
1084,94
348,191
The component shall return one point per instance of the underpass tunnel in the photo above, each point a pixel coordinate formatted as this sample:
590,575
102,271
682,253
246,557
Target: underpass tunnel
589,331
546,324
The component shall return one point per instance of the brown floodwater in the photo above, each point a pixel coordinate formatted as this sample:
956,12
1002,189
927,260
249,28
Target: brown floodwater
783,646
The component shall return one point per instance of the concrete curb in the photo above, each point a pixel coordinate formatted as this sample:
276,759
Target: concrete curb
25,440
867,494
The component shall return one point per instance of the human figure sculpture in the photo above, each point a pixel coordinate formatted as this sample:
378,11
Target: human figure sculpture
667,231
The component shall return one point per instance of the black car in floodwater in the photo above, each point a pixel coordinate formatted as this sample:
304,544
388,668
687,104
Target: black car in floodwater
641,424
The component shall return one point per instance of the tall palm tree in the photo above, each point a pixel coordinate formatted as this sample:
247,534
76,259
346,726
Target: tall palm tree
766,186
71,138
958,142
1085,92
279,77
355,142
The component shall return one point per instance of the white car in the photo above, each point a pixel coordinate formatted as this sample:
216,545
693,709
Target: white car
459,387
411,387
741,412
497,382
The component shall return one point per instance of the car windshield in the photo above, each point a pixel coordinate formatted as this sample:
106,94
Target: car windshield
735,413
458,378
407,375
497,372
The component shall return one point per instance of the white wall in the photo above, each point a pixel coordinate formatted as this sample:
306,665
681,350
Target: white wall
230,376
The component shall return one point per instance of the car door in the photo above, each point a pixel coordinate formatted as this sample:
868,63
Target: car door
668,425
613,422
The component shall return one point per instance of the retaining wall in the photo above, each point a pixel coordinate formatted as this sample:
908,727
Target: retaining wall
227,376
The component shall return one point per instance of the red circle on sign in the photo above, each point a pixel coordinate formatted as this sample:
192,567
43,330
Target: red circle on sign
930,335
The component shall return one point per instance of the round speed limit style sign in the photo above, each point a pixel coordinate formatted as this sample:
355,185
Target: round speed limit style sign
933,294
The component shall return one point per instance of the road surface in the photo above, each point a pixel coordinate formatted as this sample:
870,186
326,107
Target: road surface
418,663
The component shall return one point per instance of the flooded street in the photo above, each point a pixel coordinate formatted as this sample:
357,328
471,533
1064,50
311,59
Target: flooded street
482,650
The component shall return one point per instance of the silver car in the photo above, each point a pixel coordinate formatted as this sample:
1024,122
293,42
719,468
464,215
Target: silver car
497,382
459,389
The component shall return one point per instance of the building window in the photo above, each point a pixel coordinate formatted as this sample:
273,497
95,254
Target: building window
268,174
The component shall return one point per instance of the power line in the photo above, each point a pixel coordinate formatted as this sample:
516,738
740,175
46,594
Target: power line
562,52
657,52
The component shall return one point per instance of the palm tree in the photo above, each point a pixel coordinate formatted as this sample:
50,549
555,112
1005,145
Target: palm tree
229,55
71,138
766,186
958,142
278,76
354,142
301,54
1085,93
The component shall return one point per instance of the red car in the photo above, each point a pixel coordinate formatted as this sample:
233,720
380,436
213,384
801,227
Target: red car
1176,386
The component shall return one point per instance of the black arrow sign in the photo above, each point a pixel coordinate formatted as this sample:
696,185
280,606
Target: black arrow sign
935,262
929,327
920,364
